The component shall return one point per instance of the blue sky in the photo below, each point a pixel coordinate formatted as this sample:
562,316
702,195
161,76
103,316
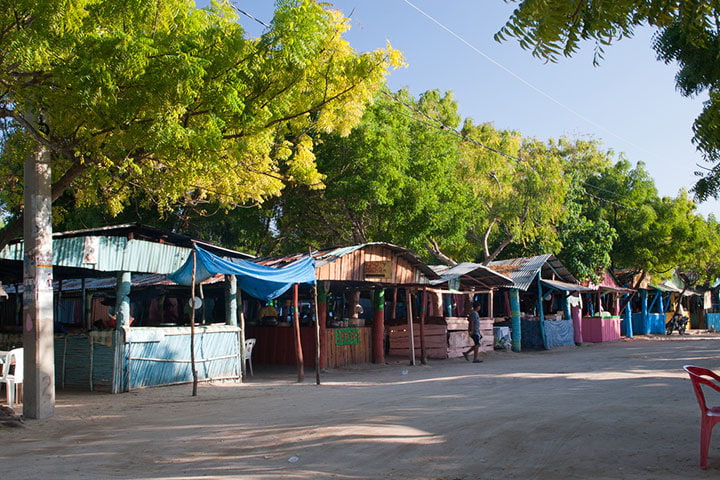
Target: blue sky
629,102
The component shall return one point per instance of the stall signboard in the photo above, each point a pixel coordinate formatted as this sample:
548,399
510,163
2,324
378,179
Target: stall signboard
382,269
347,336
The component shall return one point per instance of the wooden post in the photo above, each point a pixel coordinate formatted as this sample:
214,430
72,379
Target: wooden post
241,314
566,306
192,326
83,307
378,327
122,302
38,335
411,333
508,308
201,292
298,342
423,313
393,312
541,313
491,304
644,310
231,300
514,296
322,324
317,335
628,319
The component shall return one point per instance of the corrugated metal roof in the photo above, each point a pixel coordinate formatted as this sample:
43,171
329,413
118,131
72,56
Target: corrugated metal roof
567,287
329,255
138,280
130,248
523,270
114,254
471,274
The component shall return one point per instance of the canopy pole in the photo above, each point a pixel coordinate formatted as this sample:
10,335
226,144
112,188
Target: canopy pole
317,335
491,304
541,313
322,322
192,326
514,297
411,333
423,313
241,314
298,343
378,326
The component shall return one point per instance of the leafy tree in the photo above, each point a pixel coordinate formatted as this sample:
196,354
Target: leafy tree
687,34
174,101
392,179
655,235
519,189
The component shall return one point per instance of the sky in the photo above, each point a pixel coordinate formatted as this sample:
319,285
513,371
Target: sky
629,102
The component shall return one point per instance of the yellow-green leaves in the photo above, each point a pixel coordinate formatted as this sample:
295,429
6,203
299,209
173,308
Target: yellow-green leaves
178,102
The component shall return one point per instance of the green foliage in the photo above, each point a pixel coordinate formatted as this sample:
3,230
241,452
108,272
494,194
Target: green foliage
687,35
177,102
392,179
519,188
654,234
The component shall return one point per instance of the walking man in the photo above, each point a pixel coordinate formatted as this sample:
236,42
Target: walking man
474,329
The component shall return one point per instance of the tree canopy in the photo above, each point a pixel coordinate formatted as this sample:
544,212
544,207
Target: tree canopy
686,34
175,101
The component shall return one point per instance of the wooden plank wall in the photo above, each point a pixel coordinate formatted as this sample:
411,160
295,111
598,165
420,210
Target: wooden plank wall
435,340
351,267
342,355
441,341
275,346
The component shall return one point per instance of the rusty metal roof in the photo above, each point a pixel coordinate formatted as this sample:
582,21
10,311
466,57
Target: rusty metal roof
471,275
523,270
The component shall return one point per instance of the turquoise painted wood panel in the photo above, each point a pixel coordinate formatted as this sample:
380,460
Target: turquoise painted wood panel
164,358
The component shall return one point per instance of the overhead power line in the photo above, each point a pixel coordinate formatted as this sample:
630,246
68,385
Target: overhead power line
235,6
521,79
437,123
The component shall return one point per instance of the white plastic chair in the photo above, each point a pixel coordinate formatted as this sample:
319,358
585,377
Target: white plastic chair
11,381
249,344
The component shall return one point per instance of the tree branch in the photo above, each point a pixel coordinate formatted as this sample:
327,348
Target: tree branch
434,250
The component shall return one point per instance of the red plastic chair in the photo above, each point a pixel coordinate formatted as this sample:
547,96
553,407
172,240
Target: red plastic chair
710,415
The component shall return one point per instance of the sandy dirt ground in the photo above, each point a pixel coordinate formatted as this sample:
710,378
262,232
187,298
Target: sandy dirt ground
615,410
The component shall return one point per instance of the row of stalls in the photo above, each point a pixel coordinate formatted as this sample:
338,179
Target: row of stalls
119,323
136,306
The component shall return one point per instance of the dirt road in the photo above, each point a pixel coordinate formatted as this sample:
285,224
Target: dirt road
618,410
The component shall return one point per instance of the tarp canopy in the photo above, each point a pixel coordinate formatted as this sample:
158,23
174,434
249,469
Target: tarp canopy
264,283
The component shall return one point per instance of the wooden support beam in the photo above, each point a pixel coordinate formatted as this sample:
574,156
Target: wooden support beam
378,327
411,333
192,326
423,314
298,343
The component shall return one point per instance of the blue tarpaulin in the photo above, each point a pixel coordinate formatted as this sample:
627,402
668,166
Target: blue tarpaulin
259,281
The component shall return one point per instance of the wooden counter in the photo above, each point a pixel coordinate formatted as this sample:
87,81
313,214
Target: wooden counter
345,346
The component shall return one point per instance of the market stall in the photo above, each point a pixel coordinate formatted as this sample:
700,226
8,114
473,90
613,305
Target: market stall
352,304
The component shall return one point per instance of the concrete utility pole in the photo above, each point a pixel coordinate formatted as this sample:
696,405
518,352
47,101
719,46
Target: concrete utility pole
39,381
